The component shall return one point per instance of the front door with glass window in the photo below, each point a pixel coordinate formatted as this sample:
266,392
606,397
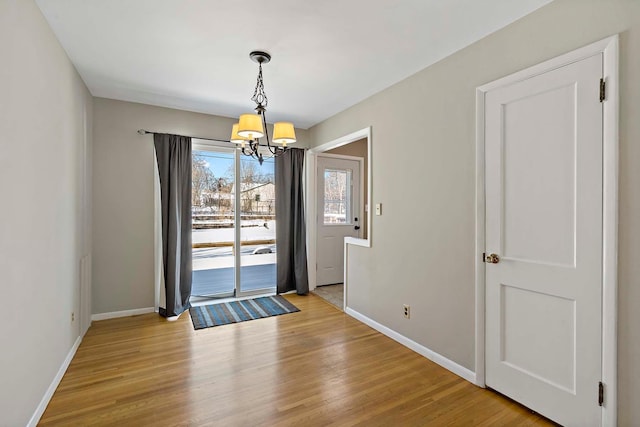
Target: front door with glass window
233,232
339,215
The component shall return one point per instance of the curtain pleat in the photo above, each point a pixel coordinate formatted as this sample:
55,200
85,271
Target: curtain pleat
290,223
173,154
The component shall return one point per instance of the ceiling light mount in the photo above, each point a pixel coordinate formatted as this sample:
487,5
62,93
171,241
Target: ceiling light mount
260,57
251,127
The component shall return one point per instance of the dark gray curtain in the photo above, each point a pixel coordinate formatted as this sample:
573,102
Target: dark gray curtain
173,154
290,224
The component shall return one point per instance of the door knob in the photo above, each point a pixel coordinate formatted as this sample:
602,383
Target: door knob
492,259
357,227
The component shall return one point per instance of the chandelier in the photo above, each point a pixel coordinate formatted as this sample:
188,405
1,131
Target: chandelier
249,130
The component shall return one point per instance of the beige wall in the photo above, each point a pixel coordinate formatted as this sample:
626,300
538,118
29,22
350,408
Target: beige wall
44,106
357,149
123,267
423,247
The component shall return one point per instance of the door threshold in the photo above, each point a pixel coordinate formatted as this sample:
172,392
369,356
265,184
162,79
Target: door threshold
199,301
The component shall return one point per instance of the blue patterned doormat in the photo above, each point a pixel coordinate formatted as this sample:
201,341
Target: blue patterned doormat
207,316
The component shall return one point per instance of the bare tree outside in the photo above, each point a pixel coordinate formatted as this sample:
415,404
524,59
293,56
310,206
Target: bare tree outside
257,190
336,194
203,182
250,171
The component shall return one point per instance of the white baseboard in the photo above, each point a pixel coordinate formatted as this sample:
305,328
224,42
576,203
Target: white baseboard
124,313
418,348
35,418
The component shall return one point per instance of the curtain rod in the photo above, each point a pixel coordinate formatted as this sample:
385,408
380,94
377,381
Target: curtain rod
146,132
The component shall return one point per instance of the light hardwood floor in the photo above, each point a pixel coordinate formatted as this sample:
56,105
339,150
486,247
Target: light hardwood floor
315,367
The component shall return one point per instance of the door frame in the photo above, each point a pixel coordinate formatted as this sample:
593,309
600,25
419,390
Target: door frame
609,48
311,203
206,145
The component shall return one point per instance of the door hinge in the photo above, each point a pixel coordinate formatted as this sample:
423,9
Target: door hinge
600,393
603,90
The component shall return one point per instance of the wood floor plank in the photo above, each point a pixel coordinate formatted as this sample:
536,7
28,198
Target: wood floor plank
315,367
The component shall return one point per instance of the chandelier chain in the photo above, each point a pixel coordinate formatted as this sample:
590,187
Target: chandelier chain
259,96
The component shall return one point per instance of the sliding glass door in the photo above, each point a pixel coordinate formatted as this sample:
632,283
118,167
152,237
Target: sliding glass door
233,213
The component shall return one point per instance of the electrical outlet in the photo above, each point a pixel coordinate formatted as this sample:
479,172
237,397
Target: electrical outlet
407,311
73,316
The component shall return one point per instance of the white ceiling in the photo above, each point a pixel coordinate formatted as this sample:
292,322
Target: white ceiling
327,55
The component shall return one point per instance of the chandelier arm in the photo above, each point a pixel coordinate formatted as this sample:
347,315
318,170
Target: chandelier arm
251,150
264,124
272,148
275,150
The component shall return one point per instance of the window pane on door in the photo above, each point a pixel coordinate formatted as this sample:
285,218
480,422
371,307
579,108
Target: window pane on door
337,196
213,224
258,226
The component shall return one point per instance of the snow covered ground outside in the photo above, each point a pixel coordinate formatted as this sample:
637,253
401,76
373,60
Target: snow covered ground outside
250,230
210,258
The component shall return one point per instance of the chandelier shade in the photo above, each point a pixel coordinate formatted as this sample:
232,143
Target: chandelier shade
235,138
250,126
284,133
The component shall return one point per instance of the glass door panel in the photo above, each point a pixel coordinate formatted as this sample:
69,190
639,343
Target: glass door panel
257,226
213,218
337,196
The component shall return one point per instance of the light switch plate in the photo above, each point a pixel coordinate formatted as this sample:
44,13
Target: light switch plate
378,209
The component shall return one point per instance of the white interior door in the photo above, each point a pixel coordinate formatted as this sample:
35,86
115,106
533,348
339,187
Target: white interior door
339,215
543,166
